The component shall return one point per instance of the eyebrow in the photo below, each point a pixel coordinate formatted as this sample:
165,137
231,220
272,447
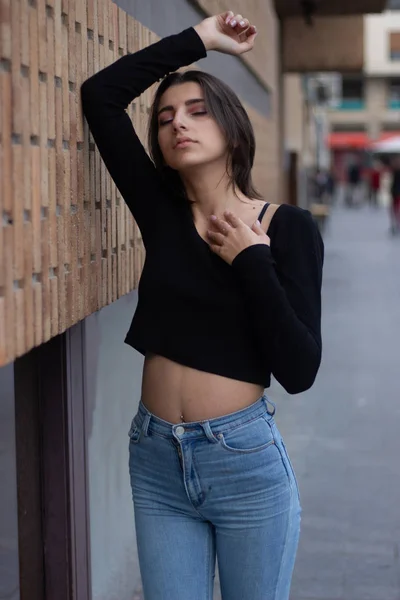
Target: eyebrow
187,103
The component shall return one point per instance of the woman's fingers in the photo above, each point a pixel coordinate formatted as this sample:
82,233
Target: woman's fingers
251,31
228,16
220,225
215,237
232,219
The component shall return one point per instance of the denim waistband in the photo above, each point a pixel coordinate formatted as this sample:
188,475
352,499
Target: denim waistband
149,423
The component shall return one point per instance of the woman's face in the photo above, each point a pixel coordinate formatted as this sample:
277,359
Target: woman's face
188,136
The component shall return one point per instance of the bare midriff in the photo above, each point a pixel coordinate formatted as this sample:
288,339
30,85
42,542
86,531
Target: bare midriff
177,393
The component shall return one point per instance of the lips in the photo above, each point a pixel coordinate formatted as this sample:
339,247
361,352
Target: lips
181,142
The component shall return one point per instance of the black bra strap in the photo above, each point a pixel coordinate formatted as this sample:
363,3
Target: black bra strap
263,211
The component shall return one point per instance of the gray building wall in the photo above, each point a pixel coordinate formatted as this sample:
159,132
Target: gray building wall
113,382
9,568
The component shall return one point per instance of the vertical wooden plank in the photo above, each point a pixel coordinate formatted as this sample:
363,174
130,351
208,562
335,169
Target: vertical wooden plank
114,273
69,256
34,71
122,34
56,274
42,30
28,270
6,181
130,34
106,191
19,322
109,259
65,5
9,293
46,292
2,214
99,260
57,39
88,274
37,268
115,36
23,254
16,67
5,29
81,73
65,80
54,305
17,212
47,169
25,54
72,283
51,117
101,172
2,225
84,238
37,213
90,14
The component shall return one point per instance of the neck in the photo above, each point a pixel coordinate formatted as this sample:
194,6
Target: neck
210,191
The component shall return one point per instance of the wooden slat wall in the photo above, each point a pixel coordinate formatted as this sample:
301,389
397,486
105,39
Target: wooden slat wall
68,245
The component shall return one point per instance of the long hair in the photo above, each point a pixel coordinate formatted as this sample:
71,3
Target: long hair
227,110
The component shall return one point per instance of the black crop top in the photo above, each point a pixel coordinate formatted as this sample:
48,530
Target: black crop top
261,315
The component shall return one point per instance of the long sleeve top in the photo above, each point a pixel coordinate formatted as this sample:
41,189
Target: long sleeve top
245,321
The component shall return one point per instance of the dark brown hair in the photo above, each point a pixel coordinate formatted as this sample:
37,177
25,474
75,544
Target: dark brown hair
225,107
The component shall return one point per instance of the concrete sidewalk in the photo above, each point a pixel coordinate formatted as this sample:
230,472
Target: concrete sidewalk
344,434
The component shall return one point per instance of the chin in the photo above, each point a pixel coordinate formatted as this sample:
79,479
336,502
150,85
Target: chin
187,162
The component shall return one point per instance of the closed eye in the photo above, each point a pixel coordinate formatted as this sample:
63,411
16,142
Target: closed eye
193,114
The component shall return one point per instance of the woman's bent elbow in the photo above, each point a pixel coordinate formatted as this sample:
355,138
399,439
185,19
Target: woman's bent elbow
300,374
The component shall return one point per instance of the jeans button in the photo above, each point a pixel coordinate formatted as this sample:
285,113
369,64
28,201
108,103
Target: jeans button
180,430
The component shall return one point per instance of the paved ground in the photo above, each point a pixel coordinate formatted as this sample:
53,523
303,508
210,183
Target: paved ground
344,434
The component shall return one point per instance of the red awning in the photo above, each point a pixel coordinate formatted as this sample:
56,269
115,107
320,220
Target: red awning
356,139
348,139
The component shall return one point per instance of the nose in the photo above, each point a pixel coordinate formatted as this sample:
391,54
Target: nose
179,121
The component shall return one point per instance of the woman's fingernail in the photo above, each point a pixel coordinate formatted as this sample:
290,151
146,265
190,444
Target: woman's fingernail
242,23
233,23
258,223
213,218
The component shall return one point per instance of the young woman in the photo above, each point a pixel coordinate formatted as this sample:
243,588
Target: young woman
223,303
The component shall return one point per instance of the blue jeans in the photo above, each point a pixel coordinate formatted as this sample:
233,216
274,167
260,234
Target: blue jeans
222,488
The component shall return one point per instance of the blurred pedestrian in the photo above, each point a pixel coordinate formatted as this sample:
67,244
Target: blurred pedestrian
353,183
395,197
375,177
330,185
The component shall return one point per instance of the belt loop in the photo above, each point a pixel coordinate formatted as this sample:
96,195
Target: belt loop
268,401
146,422
208,431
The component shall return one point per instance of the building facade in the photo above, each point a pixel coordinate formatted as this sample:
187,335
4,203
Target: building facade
366,106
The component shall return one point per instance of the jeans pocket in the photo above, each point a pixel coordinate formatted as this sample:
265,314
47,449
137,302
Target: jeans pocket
134,433
248,438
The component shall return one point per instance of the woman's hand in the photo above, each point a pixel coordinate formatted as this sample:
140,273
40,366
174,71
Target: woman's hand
230,236
227,33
